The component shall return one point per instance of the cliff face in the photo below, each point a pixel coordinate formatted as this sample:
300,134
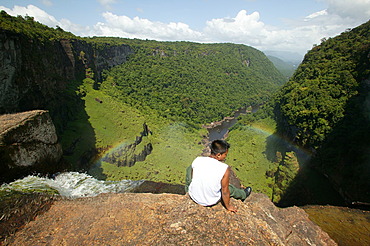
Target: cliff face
168,219
36,75
98,59
28,142
33,74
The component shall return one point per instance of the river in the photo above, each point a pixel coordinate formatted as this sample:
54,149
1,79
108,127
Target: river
219,129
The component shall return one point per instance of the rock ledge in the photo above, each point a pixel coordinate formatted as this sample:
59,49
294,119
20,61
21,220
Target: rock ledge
168,219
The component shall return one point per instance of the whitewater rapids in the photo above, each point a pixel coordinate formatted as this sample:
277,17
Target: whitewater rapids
70,184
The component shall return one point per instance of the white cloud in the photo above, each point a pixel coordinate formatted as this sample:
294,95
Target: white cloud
250,30
47,2
354,9
123,26
30,10
298,35
44,18
107,3
316,15
239,28
338,17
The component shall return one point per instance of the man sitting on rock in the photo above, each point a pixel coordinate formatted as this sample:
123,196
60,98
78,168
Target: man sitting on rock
207,179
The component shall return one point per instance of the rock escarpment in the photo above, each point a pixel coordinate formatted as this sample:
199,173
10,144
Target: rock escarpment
34,72
168,219
128,155
43,74
28,142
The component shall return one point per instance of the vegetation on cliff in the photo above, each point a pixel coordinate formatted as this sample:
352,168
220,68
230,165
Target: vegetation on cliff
317,151
316,98
324,109
196,83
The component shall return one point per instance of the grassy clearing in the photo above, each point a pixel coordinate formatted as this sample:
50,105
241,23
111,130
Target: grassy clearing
247,155
113,122
101,122
106,122
174,148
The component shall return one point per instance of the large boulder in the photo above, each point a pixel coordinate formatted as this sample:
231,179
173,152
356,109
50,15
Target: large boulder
28,143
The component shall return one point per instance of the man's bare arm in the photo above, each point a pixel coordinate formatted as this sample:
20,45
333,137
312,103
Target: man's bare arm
226,192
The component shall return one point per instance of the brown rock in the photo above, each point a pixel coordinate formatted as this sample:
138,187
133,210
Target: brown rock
168,219
28,141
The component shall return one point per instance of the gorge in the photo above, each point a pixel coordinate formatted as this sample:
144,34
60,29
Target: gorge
102,92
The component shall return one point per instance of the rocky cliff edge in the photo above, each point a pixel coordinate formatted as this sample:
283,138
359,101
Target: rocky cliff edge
168,219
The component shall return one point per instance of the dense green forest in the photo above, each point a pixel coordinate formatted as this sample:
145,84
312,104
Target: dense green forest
316,98
196,83
187,84
285,68
31,28
324,109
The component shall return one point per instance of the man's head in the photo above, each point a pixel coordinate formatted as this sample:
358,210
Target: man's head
219,149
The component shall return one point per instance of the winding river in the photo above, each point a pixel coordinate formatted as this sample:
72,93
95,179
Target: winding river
219,129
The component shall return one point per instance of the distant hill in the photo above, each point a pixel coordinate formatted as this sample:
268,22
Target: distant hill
285,68
192,82
286,56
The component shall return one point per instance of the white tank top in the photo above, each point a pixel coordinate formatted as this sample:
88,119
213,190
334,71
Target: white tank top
205,186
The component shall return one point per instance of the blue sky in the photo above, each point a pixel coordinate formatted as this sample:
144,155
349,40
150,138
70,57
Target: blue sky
278,25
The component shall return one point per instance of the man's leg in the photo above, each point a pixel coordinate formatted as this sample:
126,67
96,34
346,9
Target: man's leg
188,178
237,193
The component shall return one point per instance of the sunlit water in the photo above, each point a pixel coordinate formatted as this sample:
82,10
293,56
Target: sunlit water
71,185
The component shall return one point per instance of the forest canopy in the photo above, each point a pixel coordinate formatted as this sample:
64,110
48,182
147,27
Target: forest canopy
316,98
192,82
325,109
31,28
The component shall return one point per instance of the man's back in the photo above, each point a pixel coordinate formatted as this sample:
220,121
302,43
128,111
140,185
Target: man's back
205,187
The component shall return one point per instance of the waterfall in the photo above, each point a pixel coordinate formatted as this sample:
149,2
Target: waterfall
70,184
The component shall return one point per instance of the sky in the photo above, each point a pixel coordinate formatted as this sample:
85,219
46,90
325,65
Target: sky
268,25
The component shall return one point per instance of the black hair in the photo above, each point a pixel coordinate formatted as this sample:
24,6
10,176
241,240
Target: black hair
219,147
